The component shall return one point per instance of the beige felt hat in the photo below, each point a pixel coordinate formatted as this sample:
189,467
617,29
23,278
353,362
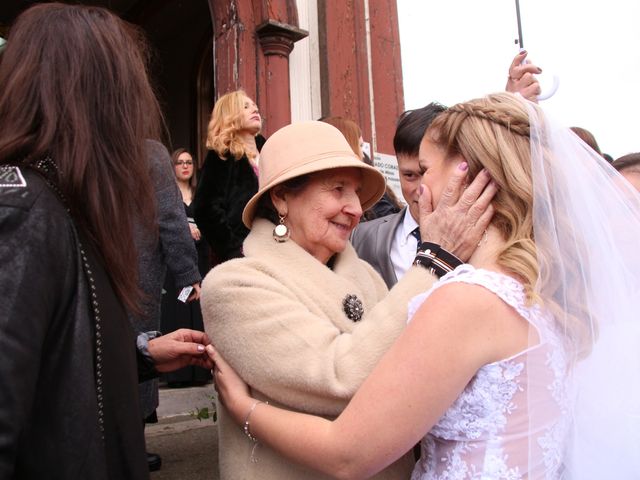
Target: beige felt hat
307,147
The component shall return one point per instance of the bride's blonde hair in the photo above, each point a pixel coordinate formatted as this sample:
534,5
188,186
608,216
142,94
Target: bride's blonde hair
226,122
493,133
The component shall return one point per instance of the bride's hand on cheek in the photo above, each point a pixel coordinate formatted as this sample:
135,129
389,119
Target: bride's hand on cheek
233,392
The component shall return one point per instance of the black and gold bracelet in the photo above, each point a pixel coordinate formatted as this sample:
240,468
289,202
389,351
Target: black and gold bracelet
436,259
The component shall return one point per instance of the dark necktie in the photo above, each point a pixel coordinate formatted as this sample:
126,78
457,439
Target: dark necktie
416,234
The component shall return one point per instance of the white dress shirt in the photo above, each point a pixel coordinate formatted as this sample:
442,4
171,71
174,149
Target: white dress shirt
404,245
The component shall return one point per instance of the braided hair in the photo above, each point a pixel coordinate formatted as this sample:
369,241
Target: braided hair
492,133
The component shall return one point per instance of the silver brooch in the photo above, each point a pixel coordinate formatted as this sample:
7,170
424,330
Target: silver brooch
352,306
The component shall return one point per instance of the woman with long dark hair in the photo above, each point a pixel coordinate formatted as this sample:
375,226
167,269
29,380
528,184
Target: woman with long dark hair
76,110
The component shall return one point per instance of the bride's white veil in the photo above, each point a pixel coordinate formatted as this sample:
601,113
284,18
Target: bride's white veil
587,233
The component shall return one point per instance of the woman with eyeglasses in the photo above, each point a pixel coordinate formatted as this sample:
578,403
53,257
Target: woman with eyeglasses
186,180
175,313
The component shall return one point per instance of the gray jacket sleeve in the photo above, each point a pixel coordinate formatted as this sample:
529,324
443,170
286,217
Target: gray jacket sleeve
176,244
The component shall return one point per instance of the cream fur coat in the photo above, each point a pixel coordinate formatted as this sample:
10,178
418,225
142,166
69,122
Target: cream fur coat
277,317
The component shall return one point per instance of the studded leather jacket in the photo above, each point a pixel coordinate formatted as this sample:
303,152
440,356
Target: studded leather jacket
49,406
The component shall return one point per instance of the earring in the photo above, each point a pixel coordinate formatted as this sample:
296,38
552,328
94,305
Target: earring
281,232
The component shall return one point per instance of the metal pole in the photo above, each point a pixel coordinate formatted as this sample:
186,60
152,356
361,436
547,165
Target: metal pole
520,42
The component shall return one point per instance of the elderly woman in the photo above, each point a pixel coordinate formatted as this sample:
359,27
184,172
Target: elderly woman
388,204
301,318
509,362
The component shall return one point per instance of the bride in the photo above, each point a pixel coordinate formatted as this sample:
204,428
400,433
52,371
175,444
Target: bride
508,362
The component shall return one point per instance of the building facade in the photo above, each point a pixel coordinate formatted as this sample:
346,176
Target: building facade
299,60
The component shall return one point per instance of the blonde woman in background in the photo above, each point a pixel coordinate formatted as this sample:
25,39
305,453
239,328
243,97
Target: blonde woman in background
229,175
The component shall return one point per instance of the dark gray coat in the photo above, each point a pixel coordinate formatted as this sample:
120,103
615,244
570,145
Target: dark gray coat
173,249
372,241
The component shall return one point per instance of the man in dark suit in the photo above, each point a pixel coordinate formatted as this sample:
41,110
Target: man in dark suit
389,243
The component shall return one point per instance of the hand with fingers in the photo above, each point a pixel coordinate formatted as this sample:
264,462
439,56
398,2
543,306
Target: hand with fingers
179,349
462,215
195,295
195,232
233,392
522,77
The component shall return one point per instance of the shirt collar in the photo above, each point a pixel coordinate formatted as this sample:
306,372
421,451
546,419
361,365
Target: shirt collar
408,225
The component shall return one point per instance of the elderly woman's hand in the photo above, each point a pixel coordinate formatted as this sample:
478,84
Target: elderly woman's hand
462,215
233,392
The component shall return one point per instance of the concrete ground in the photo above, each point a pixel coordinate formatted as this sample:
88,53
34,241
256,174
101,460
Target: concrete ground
188,447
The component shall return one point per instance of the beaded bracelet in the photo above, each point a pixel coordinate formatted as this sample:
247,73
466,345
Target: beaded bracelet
246,429
436,259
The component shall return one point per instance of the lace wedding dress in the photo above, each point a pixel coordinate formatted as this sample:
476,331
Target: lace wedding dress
511,420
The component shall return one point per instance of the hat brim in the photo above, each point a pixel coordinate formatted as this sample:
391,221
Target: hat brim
373,182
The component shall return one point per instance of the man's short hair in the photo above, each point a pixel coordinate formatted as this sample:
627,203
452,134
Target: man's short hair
411,127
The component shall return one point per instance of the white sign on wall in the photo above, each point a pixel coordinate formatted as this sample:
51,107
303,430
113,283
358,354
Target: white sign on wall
366,148
388,166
